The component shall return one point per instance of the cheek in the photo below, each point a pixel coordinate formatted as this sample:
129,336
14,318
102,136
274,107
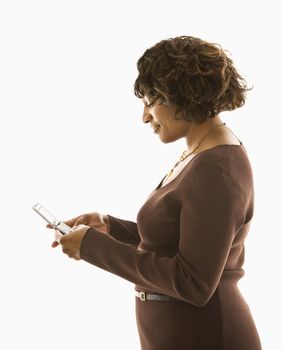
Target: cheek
171,131
163,122
164,117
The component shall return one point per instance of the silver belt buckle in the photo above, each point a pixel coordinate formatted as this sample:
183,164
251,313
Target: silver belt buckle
142,296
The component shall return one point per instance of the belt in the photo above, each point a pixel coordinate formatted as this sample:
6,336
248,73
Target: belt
150,296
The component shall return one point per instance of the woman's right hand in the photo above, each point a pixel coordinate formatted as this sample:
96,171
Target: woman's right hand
95,220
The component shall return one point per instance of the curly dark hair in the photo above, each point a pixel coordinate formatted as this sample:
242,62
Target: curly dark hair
192,74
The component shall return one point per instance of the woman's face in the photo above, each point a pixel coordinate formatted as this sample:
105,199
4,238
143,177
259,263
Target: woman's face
162,120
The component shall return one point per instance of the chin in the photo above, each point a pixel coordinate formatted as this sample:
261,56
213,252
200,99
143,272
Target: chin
168,139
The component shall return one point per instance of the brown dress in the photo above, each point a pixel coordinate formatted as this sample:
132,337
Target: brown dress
188,243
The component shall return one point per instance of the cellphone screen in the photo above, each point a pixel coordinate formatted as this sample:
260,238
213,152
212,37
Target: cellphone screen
44,213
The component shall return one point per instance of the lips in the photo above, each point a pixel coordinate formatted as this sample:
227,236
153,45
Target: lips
154,126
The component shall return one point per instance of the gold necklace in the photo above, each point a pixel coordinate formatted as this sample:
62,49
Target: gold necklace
185,154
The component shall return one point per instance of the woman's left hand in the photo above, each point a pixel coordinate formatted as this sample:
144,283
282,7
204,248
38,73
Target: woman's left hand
71,243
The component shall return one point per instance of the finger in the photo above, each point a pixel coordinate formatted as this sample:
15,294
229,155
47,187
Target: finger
54,244
82,220
58,236
73,255
72,222
61,240
68,252
77,257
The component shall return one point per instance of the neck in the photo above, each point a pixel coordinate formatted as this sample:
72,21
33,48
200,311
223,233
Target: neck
198,131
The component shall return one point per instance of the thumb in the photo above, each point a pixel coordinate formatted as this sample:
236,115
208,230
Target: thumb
54,244
72,222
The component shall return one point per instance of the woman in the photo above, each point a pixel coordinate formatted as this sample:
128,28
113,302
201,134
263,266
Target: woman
186,251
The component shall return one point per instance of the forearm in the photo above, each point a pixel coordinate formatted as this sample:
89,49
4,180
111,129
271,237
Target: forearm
124,231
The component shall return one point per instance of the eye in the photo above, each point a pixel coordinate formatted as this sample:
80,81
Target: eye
148,105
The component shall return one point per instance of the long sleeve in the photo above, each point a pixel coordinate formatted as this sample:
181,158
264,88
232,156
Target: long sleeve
124,231
212,210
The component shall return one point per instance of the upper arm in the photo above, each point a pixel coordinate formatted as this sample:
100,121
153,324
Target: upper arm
211,214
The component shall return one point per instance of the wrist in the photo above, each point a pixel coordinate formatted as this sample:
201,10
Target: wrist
106,222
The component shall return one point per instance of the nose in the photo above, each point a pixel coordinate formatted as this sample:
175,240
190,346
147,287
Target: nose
146,117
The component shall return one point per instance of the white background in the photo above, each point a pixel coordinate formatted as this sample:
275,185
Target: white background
72,139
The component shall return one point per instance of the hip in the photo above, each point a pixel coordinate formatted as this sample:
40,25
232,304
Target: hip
225,322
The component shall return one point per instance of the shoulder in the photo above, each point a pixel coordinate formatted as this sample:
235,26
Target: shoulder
217,158
224,168
220,161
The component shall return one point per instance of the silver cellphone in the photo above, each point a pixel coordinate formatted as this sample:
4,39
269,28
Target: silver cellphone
51,219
